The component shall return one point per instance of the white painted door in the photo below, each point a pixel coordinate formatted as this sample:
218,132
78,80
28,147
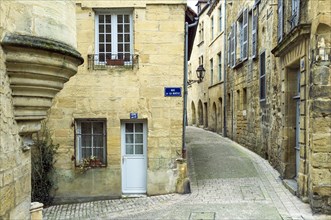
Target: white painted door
134,157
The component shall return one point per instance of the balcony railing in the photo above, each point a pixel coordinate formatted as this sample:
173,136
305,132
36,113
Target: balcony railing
101,62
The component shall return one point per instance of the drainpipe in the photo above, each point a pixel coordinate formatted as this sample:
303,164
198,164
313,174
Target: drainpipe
224,72
187,26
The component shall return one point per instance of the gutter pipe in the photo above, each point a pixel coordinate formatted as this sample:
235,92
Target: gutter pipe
224,75
187,26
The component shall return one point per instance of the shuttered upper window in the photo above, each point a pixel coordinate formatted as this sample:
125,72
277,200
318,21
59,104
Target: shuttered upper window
294,20
262,77
254,33
280,20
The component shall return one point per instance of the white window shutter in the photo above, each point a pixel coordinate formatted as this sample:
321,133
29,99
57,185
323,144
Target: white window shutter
254,35
245,34
280,20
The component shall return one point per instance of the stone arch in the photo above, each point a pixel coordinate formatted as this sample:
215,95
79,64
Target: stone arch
200,113
194,119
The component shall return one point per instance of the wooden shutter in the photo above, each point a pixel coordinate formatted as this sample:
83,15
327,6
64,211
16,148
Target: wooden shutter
254,35
245,35
280,20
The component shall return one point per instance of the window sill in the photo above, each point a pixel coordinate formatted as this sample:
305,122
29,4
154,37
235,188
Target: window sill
218,36
239,63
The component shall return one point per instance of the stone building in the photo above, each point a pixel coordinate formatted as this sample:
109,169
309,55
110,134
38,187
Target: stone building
37,56
116,114
205,99
277,96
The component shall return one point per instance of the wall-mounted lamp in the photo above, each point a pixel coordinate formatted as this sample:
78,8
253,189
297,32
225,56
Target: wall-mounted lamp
200,75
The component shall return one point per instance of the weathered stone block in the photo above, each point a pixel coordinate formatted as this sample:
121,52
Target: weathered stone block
321,75
321,160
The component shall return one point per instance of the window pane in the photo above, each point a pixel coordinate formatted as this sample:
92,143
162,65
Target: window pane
108,28
127,28
97,141
127,38
120,38
126,18
139,127
129,149
120,28
108,47
129,138
127,47
119,18
101,18
139,149
120,47
86,128
108,38
101,38
108,18
139,138
101,28
97,127
101,57
101,48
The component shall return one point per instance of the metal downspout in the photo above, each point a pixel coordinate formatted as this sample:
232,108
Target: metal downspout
224,77
187,26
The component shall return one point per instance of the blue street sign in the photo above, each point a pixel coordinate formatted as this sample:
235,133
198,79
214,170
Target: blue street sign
133,115
173,91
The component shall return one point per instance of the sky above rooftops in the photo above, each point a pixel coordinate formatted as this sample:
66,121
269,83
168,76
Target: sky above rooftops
192,3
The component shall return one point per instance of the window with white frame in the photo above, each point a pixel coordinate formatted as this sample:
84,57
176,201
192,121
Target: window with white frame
113,35
90,140
220,25
211,71
219,66
262,77
212,27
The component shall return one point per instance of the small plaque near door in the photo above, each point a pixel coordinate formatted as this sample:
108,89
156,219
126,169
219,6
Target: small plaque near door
133,115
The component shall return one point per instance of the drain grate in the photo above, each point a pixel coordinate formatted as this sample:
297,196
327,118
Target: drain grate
202,216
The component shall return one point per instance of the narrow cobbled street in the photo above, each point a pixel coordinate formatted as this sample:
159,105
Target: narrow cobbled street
227,182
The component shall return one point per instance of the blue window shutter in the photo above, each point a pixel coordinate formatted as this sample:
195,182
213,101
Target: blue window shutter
254,35
280,20
245,35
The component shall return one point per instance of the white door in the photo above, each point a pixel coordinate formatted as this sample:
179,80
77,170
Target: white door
134,154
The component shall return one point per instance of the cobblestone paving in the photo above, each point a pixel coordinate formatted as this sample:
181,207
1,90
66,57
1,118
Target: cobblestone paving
227,182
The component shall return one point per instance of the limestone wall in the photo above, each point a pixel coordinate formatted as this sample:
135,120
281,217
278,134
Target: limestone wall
37,20
114,93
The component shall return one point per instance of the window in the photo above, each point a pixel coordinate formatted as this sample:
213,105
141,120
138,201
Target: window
220,66
201,32
262,77
220,18
280,20
212,27
113,36
90,140
254,33
201,60
211,71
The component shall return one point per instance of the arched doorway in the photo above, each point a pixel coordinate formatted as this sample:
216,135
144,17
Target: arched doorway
194,119
200,113
213,123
